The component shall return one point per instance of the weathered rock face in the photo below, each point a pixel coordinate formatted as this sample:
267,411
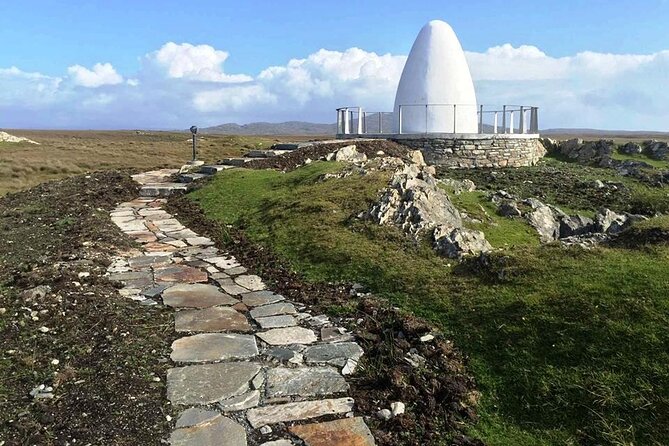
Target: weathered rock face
347,154
415,202
589,152
631,148
657,150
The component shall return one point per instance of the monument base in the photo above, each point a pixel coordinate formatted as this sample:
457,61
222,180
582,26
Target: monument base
467,151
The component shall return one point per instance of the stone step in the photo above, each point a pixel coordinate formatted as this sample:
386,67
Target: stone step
213,169
163,189
191,177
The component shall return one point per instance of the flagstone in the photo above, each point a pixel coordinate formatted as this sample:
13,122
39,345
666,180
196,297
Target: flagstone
180,273
346,431
196,295
209,383
240,402
221,431
214,319
280,321
287,336
304,381
333,353
303,410
194,416
207,347
258,298
273,310
250,282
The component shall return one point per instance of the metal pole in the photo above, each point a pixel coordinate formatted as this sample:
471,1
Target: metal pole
359,120
380,122
511,121
426,119
521,124
194,148
504,119
494,126
455,114
399,127
481,118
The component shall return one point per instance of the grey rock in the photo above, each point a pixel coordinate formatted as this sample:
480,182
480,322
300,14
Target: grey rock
211,320
333,353
509,209
196,295
281,353
304,410
277,321
194,416
154,291
273,310
220,431
458,242
258,298
240,402
250,282
207,347
287,336
657,149
305,381
576,225
630,148
349,154
544,221
384,414
209,383
335,334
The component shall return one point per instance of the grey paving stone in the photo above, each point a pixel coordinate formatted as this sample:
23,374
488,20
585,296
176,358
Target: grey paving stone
258,298
223,262
303,410
212,319
335,334
281,353
196,295
280,321
304,381
209,383
273,310
287,336
180,273
232,289
333,353
250,282
207,347
194,416
281,442
240,402
236,271
221,431
199,241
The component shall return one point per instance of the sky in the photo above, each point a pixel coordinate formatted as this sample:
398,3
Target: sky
127,64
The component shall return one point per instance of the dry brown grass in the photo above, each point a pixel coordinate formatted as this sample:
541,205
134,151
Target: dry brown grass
64,153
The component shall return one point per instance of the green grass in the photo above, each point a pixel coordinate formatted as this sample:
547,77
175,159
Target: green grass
660,164
568,346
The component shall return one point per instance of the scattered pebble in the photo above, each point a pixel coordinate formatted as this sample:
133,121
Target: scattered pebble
44,329
55,362
426,338
384,414
397,408
265,430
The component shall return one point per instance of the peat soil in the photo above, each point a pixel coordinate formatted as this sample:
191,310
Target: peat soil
104,355
439,394
297,158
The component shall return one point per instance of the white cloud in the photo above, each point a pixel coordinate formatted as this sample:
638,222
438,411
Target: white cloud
101,74
194,62
181,84
232,98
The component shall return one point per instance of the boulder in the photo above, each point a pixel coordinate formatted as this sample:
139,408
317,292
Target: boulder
610,222
576,225
349,154
630,148
509,209
657,149
459,186
458,242
416,157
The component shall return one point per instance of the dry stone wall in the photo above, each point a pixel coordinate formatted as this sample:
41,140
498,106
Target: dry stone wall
480,152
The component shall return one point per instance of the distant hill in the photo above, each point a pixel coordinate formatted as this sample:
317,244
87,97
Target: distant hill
273,128
604,133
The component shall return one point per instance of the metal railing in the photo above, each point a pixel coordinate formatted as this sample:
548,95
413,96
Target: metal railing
440,118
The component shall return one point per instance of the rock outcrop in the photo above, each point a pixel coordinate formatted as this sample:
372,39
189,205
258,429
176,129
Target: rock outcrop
414,202
6,137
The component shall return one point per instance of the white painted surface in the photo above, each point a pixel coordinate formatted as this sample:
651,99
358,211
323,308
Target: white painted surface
436,72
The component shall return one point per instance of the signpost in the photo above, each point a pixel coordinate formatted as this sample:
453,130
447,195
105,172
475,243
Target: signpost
193,130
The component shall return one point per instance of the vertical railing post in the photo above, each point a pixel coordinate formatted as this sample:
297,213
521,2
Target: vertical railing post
346,122
364,122
504,119
399,122
481,118
380,122
359,120
494,125
511,121
426,119
455,114
521,124
534,120
338,121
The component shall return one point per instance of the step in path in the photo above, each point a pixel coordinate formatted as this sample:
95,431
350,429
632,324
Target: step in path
251,364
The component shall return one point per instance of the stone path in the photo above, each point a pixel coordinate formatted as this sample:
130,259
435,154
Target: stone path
251,364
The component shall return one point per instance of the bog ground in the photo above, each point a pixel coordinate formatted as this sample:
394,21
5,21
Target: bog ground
535,343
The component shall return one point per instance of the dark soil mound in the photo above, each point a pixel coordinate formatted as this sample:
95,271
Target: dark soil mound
297,158
438,393
100,352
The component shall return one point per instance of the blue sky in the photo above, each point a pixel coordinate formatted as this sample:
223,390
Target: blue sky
85,64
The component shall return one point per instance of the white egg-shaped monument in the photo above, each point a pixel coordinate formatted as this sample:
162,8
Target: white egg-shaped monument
436,93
